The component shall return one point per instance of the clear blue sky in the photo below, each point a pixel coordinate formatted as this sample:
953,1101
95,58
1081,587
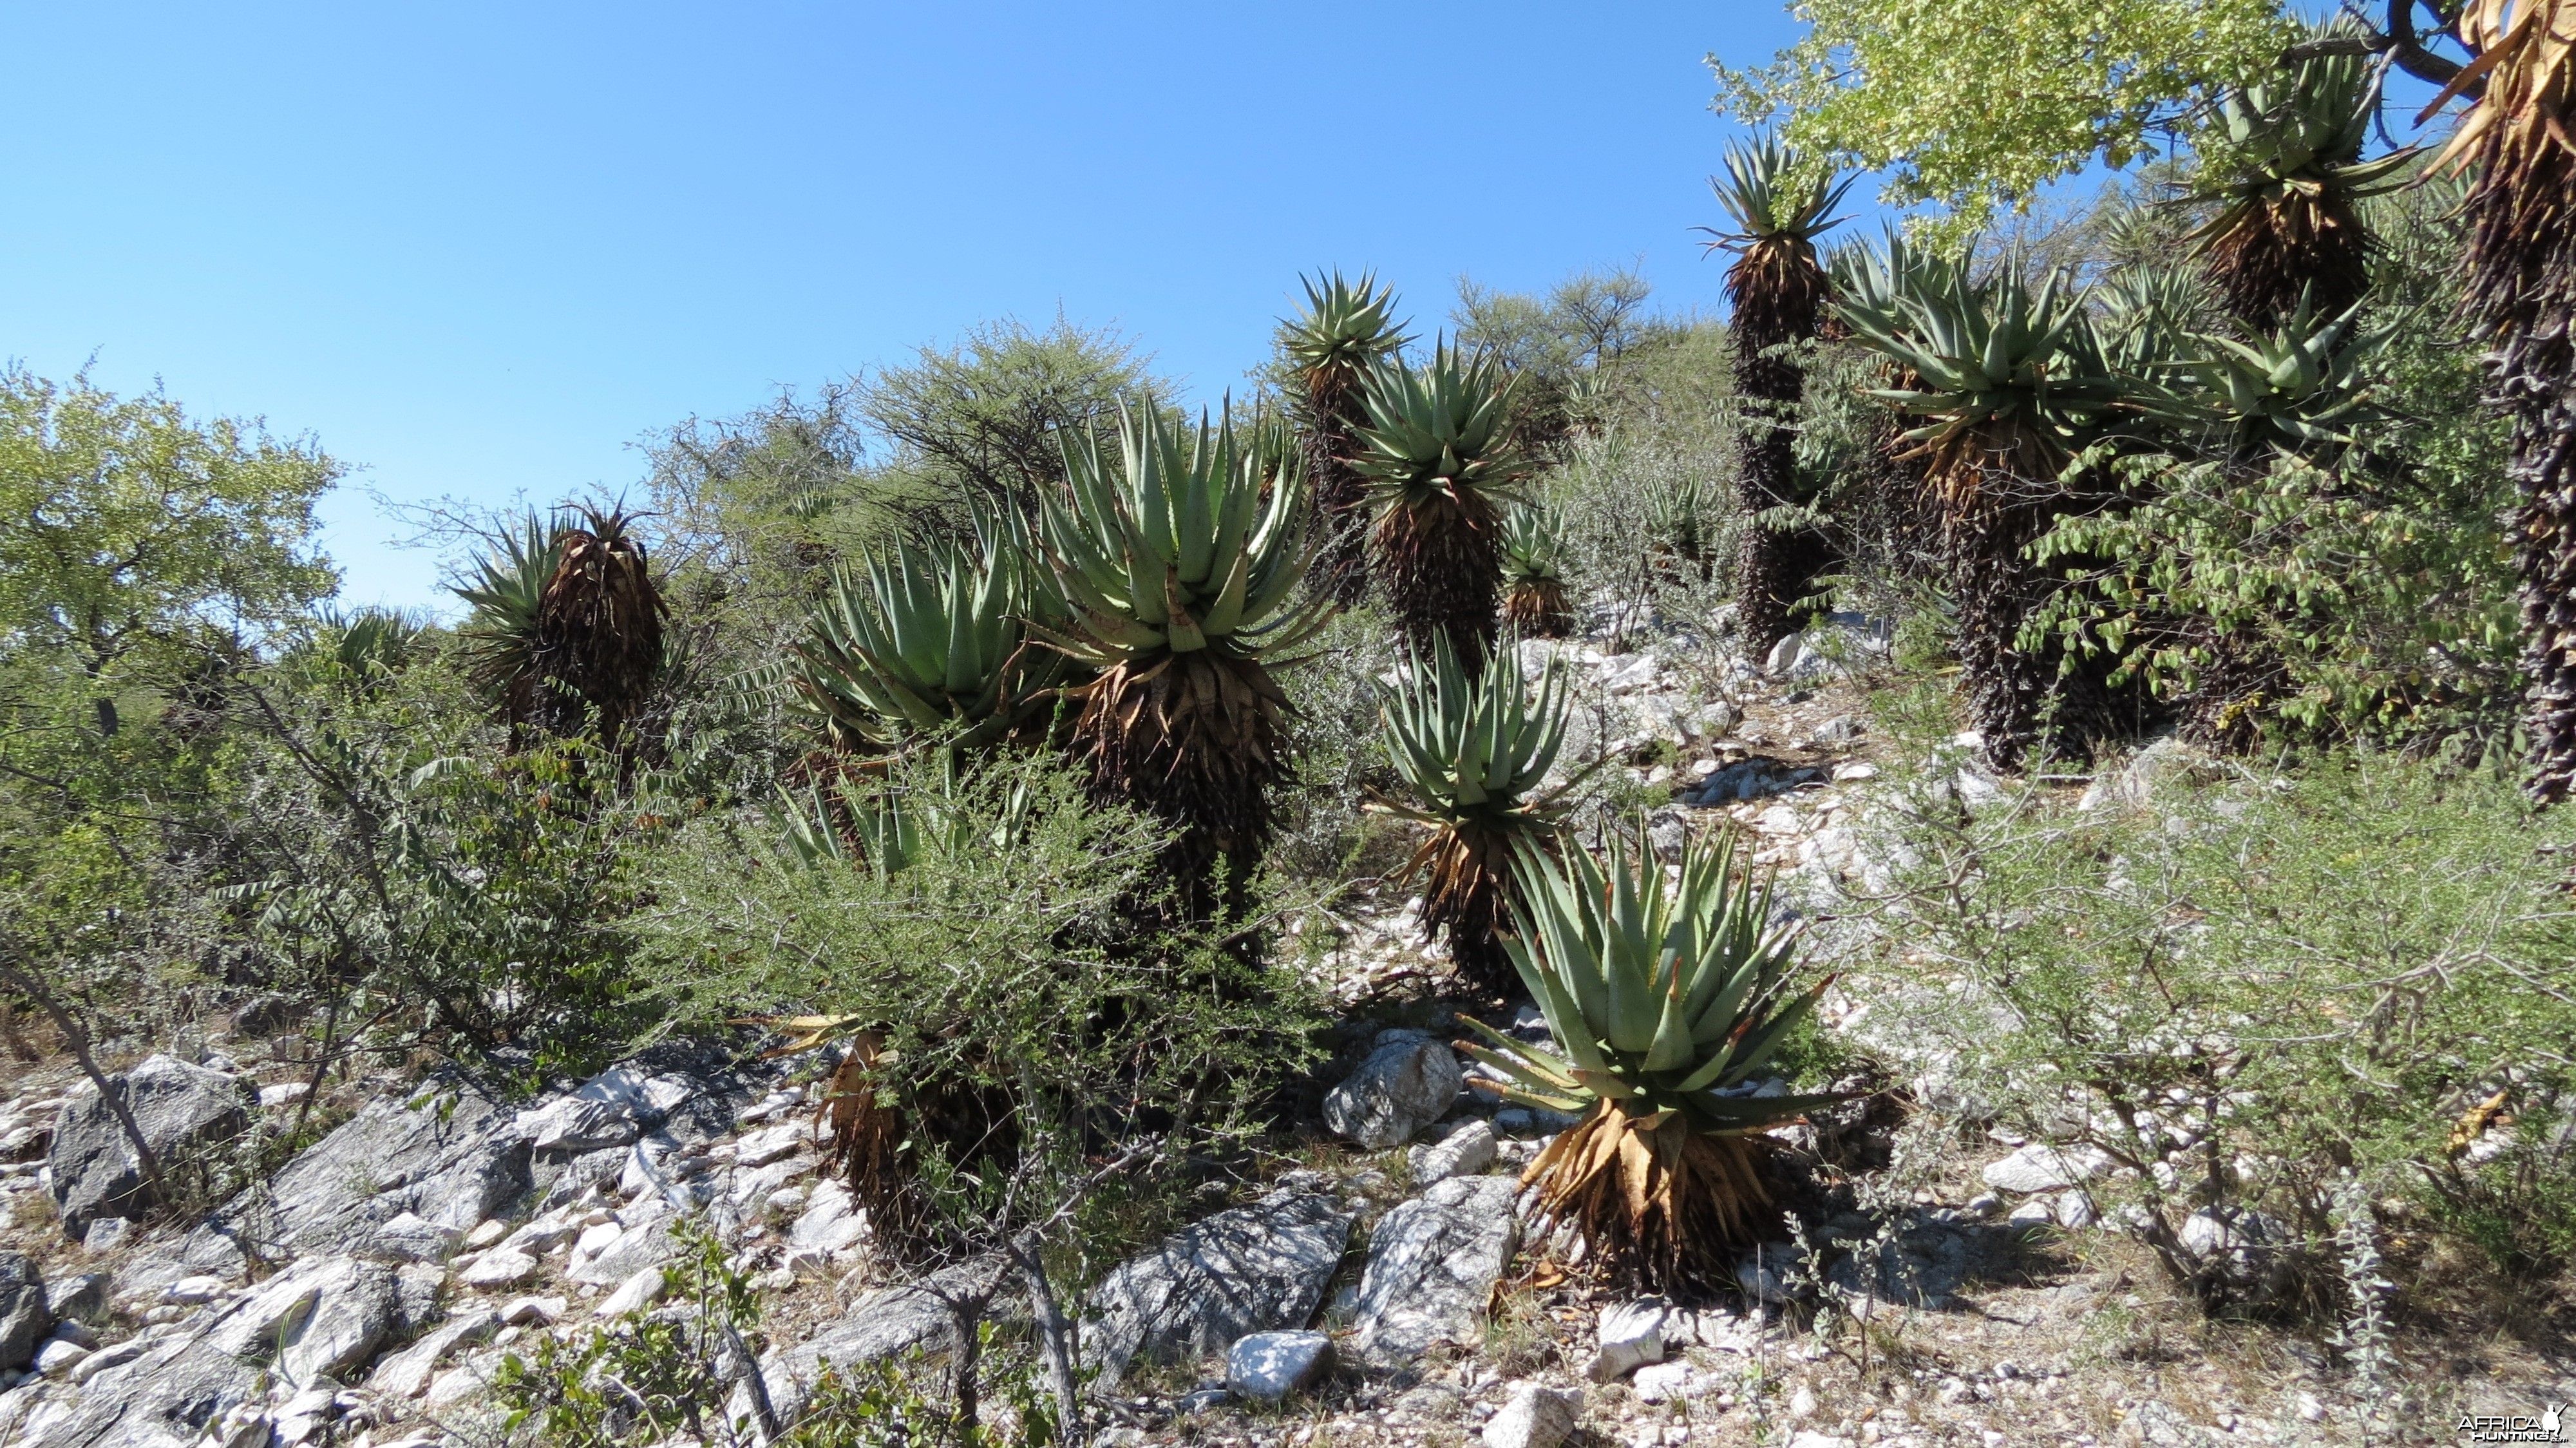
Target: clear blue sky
480,250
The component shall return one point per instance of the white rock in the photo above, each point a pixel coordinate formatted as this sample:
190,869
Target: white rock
501,1267
2074,1210
2042,1168
831,1221
1662,1382
762,1148
1463,1152
1802,1402
635,1292
485,1233
1534,1417
104,1358
2036,1213
285,1094
533,1311
190,1290
58,1357
593,1241
1631,1335
1854,773
406,1373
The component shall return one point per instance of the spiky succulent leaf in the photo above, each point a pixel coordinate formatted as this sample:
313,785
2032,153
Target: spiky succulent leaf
1347,328
2303,383
920,640
1662,994
1183,544
1985,358
1475,750
1533,544
1441,428
501,631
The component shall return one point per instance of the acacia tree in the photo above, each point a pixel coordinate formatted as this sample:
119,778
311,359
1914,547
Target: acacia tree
1977,104
143,555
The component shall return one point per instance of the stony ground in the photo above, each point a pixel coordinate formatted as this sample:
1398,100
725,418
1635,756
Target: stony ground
426,1237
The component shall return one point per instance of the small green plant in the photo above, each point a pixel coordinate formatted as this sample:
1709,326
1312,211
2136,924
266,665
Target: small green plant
648,1375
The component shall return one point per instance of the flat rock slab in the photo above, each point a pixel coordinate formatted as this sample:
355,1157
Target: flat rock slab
449,1160
883,1323
1253,1269
1432,1266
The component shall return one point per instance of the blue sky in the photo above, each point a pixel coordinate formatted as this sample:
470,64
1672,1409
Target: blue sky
478,251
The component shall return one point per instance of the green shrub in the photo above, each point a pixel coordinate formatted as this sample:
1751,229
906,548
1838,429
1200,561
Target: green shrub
2260,986
1020,1021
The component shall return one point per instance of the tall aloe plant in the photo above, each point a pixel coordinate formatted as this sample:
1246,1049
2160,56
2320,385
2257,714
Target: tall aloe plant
1347,329
1441,463
2290,173
2008,381
1180,559
1667,1000
1779,291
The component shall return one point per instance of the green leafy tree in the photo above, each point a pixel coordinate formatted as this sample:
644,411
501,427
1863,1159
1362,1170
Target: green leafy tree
1976,104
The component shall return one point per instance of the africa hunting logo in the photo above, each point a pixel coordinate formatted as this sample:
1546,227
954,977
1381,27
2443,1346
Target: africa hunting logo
2513,1427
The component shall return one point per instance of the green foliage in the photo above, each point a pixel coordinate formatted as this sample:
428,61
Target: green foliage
981,420
2299,128
2262,983
924,639
1987,359
1977,104
2387,600
1347,328
128,531
1661,995
2302,384
1441,429
1475,751
381,853
1181,547
1000,965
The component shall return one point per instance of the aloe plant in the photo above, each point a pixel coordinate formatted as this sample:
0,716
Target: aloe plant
2302,384
1180,560
1473,753
1533,551
1441,463
1667,1001
924,640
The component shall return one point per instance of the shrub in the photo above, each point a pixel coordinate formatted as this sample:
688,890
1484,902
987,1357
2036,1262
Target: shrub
2260,986
998,998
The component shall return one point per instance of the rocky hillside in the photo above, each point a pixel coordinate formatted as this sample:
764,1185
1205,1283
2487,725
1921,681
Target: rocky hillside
1378,1283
